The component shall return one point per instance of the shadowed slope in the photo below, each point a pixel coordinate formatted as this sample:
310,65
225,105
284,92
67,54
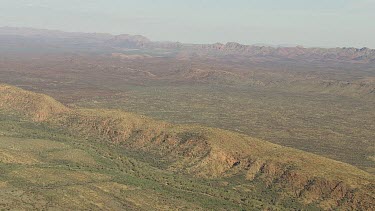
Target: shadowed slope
207,152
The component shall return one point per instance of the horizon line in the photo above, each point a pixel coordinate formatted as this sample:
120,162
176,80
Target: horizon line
272,45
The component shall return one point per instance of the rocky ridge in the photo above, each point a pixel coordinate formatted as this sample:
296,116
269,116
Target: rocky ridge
208,152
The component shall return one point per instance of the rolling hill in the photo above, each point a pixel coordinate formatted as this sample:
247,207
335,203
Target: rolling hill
110,154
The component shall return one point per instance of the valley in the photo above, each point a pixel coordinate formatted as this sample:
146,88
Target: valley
120,122
324,110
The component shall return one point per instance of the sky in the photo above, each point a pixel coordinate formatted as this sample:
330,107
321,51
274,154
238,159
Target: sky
319,23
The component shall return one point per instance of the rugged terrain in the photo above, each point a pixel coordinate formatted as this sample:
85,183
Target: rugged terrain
323,108
142,125
243,168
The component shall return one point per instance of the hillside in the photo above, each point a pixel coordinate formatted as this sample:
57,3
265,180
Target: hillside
323,108
207,154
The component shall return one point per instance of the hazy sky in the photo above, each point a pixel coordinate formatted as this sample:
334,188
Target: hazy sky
306,22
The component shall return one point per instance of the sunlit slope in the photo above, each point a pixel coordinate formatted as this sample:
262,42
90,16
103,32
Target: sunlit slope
203,152
37,107
42,174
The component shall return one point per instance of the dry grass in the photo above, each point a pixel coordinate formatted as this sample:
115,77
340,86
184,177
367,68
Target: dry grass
72,156
74,173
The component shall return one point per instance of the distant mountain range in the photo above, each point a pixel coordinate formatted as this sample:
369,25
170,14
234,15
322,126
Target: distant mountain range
97,42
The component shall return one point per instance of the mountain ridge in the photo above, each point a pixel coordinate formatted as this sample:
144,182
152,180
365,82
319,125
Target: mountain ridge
110,42
207,152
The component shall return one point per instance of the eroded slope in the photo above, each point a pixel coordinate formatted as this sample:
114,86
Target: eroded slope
206,152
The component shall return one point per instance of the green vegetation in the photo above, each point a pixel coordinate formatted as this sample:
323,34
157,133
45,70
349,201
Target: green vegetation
105,159
212,113
323,107
337,127
91,175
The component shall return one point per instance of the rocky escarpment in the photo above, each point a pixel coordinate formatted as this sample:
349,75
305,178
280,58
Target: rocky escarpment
208,152
213,153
